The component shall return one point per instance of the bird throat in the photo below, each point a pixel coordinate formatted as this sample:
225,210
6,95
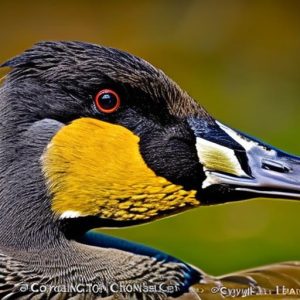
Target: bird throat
94,168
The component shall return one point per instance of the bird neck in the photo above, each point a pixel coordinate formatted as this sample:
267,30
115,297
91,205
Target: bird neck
25,211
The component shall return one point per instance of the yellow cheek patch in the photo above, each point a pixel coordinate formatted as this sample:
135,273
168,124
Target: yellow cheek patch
95,168
215,157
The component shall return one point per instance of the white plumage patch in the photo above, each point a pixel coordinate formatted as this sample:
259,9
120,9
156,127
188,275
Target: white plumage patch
68,214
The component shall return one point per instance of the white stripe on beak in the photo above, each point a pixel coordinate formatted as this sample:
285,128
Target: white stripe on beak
217,158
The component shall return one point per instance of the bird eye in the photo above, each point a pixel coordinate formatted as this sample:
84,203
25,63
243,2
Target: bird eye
107,101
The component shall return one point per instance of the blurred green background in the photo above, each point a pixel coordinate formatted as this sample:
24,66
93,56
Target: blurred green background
240,59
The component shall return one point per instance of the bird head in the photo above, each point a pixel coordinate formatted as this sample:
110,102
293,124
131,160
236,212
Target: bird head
122,143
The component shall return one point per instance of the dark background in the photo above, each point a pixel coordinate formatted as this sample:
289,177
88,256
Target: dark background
240,59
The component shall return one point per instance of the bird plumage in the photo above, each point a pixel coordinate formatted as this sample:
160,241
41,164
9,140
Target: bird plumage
67,167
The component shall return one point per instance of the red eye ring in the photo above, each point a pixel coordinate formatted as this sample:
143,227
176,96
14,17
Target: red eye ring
107,101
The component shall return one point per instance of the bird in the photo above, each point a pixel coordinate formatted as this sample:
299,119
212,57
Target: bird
93,137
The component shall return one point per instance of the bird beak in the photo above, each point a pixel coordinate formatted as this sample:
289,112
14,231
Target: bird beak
237,166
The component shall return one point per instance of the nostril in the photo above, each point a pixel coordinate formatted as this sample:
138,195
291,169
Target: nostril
275,166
